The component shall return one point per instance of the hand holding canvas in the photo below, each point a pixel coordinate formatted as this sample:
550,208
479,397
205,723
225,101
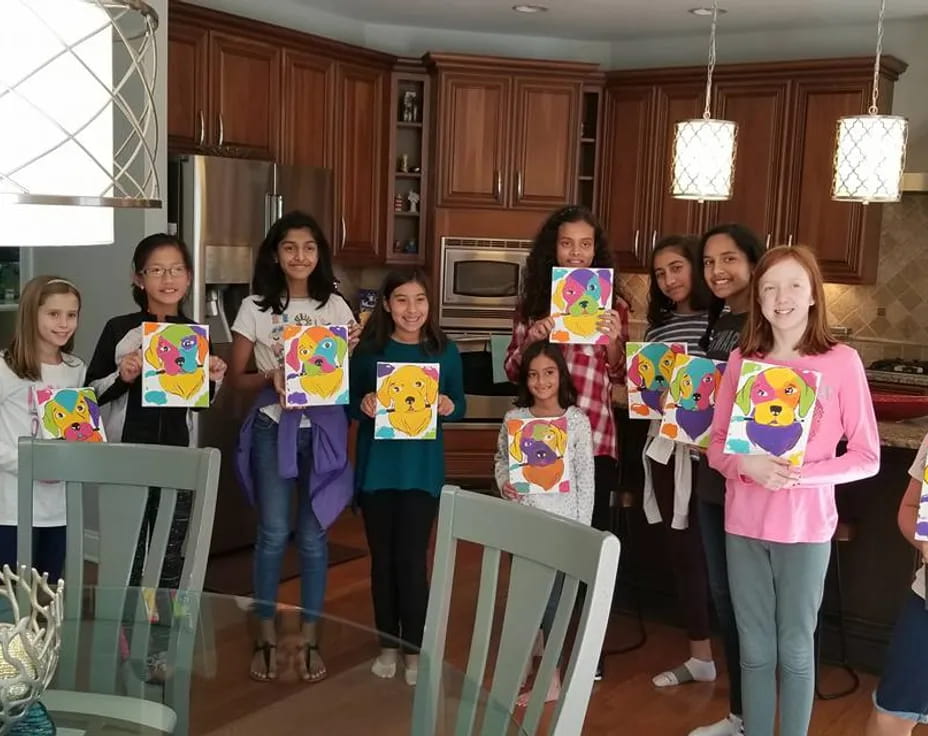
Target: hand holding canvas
217,369
773,473
509,492
540,329
130,367
445,405
369,404
609,324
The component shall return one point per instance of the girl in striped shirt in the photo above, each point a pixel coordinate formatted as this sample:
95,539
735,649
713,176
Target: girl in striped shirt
677,308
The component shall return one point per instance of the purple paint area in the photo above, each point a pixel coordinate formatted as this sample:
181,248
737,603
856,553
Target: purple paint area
199,329
694,423
385,369
652,399
921,530
297,398
340,331
775,440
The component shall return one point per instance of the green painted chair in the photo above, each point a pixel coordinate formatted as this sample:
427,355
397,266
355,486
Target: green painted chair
116,478
541,545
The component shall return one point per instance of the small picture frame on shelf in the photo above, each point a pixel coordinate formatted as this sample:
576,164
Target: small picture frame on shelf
409,107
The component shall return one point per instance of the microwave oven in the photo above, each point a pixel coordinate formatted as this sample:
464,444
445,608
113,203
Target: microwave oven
480,280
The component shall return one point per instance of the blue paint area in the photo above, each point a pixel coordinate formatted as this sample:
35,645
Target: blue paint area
558,273
522,487
156,397
151,372
385,433
738,447
342,398
382,410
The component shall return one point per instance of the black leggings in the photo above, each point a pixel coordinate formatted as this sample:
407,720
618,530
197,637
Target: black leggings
49,544
605,481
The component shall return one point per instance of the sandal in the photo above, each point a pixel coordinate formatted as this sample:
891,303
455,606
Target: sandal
305,672
265,649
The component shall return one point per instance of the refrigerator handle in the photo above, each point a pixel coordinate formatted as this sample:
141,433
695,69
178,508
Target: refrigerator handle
268,211
279,205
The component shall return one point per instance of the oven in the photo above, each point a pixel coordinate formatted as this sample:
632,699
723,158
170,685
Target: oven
479,282
487,399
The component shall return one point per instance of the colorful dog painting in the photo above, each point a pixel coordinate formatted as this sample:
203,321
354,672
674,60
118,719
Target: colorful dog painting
70,414
407,401
175,364
579,296
316,365
650,368
921,523
690,402
772,411
538,458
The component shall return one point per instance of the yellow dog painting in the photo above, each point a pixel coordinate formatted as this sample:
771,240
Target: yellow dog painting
407,401
175,359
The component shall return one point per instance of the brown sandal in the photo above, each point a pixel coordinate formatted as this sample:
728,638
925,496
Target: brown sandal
265,648
306,675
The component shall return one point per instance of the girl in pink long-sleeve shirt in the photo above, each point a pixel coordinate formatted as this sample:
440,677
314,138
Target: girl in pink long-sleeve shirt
779,518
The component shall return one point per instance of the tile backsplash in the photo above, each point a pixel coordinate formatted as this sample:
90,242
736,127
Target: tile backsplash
888,319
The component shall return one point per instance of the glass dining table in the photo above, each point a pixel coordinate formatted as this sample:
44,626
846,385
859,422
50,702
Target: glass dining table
188,673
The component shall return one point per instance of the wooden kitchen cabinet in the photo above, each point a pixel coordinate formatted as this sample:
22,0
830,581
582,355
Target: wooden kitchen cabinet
307,135
360,163
188,85
470,452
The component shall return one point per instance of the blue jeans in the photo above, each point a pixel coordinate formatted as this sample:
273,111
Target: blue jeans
274,496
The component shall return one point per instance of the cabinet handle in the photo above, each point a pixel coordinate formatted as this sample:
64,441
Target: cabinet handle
790,240
221,131
202,128
767,242
653,239
498,185
279,205
344,232
519,185
636,245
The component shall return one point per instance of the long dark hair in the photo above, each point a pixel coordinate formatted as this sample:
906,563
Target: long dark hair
380,327
270,281
749,244
143,251
660,306
566,391
535,292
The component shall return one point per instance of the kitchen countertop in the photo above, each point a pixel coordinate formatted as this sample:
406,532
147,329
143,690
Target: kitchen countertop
906,435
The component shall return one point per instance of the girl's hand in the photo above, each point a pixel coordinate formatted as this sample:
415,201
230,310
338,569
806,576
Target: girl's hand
354,334
130,367
445,405
217,369
924,549
280,385
369,404
773,473
540,329
610,324
510,493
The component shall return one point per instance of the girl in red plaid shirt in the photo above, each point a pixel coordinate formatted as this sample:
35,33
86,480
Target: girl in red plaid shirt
573,238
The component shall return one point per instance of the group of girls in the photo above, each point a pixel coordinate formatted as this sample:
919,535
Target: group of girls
750,533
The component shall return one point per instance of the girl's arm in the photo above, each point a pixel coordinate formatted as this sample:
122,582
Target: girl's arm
907,514
360,383
582,461
862,459
242,349
501,461
615,350
453,372
727,465
513,362
103,373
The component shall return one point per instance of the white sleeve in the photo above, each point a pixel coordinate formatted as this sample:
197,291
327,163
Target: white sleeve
581,441
246,321
917,471
343,311
501,464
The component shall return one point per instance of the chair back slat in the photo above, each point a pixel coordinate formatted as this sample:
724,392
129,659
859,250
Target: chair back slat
119,507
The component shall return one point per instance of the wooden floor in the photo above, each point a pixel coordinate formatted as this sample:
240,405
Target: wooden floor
624,703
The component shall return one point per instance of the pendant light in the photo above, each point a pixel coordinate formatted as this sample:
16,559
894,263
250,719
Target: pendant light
80,134
870,149
703,162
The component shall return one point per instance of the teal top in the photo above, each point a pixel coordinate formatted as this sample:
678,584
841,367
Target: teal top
401,464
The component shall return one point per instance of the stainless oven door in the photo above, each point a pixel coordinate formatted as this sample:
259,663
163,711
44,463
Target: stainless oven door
481,278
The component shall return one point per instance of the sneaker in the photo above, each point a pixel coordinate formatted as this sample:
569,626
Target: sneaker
730,726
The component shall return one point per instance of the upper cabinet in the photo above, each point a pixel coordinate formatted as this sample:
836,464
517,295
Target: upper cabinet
308,103
188,85
507,132
787,115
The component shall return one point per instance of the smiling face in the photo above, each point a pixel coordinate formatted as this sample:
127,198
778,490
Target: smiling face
727,269
297,255
543,379
576,244
57,319
785,295
674,275
165,279
408,304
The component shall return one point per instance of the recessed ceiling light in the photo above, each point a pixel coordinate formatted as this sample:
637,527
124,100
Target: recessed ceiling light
529,8
706,11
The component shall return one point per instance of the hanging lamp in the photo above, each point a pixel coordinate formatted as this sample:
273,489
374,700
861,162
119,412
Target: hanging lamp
703,162
870,149
80,134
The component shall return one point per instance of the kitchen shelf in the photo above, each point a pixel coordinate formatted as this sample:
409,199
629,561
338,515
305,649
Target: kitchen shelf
588,140
406,214
402,124
407,175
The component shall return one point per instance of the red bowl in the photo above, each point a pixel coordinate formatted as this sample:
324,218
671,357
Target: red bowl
895,407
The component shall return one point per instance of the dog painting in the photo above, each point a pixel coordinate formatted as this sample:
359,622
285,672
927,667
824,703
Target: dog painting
650,369
538,458
690,402
921,523
772,412
407,401
579,296
316,365
70,414
175,364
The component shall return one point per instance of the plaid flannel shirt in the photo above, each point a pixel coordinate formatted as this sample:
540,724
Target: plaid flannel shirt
592,374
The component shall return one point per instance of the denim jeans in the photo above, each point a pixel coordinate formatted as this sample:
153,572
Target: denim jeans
274,496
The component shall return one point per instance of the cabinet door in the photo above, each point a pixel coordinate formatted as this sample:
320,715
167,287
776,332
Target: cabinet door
669,216
624,194
473,140
307,129
547,122
360,166
844,235
244,96
759,109
188,84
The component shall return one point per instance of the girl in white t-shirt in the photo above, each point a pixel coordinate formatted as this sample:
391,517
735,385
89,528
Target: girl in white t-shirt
38,355
901,699
293,284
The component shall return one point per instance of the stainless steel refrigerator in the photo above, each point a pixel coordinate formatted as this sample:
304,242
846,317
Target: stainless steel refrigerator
222,208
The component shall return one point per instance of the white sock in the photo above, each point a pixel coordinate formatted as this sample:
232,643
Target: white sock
691,670
385,663
702,670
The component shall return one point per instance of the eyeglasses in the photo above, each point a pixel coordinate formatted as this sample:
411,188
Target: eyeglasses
159,272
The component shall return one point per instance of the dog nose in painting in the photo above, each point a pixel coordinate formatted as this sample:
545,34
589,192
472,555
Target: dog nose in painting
776,410
410,400
697,396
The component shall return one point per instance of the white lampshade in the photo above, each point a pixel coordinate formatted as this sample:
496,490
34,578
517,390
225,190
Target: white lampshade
79,136
703,163
869,158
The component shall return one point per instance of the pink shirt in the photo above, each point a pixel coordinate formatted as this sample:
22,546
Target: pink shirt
806,513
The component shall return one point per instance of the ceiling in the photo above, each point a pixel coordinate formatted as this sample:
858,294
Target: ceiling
609,20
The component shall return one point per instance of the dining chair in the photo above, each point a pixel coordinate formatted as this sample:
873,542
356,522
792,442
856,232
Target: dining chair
541,545
115,479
